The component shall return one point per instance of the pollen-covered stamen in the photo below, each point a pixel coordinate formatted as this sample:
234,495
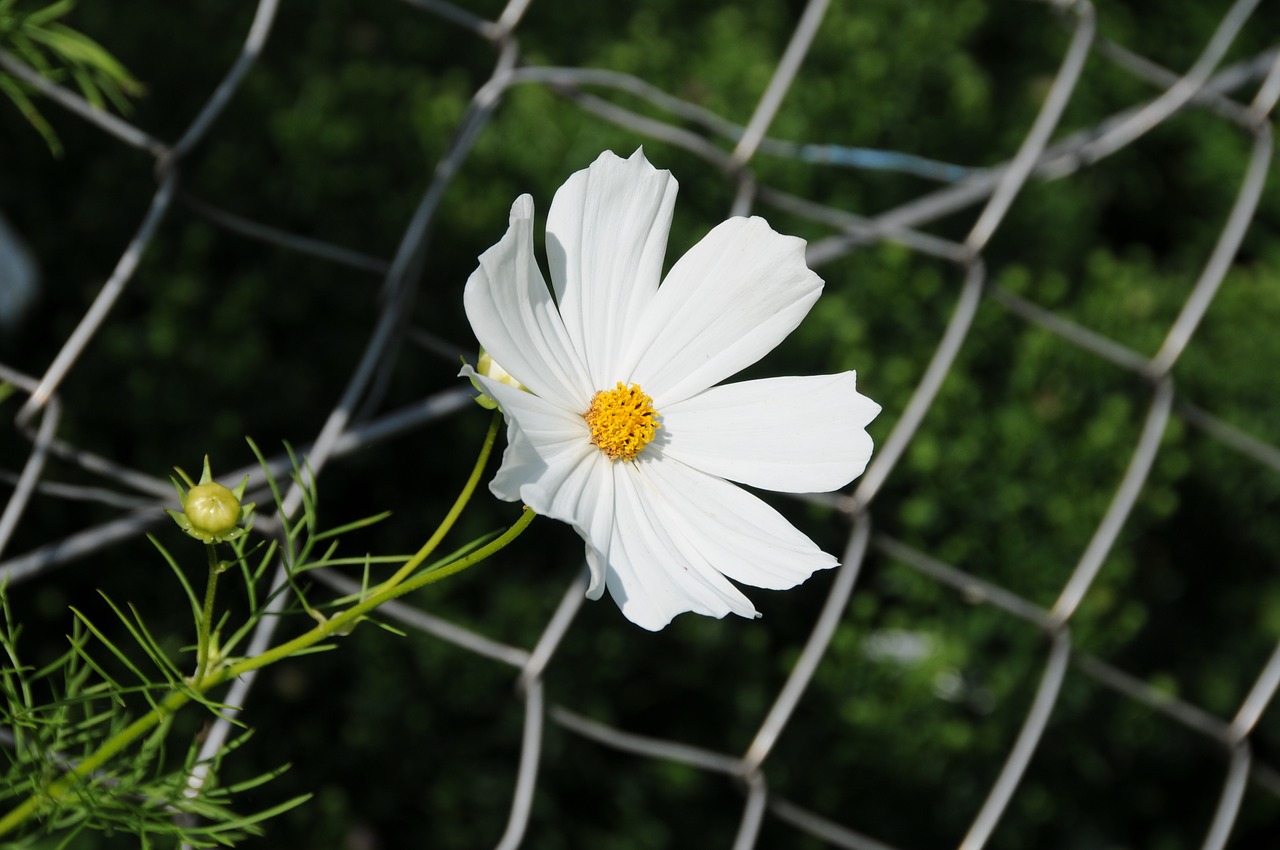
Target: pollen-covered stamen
622,421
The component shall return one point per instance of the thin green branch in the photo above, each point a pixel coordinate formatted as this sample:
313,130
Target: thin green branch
454,512
209,676
206,615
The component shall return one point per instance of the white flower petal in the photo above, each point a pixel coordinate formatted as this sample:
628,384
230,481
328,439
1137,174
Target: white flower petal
652,575
597,571
722,307
735,532
794,435
515,318
521,464
551,466
665,533
606,236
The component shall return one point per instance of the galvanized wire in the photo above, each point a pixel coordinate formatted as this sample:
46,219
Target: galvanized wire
1203,87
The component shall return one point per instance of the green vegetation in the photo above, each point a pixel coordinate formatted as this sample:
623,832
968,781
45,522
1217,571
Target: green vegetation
406,741
59,53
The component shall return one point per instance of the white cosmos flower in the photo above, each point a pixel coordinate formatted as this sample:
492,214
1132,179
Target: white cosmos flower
619,427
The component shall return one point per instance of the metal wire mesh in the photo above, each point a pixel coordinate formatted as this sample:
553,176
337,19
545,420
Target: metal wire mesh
1206,89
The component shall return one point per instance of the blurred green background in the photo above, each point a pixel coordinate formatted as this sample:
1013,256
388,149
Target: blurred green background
409,742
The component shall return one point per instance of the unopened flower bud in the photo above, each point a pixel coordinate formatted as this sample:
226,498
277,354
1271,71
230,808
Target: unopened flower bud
211,512
489,368
212,509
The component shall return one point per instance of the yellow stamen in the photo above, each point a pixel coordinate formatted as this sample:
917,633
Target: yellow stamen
622,421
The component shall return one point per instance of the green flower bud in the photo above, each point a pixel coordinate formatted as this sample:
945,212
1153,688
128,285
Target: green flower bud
212,509
489,367
211,513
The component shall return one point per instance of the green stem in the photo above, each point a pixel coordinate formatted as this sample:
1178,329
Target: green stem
384,593
454,512
177,699
392,588
206,618
117,742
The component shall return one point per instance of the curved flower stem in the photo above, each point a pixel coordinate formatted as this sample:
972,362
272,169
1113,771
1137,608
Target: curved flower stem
455,511
385,592
340,623
206,617
455,567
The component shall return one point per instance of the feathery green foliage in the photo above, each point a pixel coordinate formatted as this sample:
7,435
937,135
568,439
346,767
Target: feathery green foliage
59,53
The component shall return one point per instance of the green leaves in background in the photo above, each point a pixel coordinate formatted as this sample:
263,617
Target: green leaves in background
60,54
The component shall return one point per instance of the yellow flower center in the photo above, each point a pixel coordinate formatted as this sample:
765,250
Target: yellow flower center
622,421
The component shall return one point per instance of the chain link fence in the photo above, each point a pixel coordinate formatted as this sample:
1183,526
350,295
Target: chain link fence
952,223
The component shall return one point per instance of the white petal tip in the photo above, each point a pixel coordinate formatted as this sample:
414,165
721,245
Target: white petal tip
521,209
654,622
595,575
